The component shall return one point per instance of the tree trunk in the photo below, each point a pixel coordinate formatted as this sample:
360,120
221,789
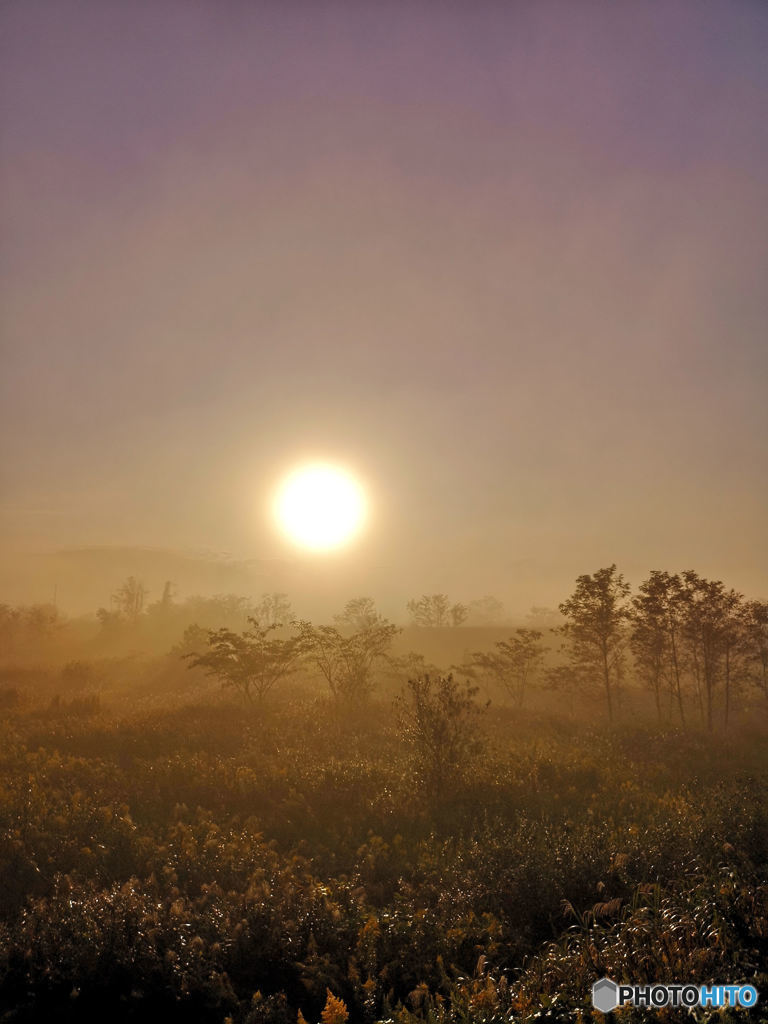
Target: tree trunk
657,695
678,687
709,684
607,679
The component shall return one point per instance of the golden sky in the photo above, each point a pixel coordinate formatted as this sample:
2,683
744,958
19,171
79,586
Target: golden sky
506,262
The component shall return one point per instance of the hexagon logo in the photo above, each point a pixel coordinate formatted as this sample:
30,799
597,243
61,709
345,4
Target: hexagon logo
605,995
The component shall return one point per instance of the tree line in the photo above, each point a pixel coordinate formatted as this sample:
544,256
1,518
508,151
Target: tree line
688,637
692,642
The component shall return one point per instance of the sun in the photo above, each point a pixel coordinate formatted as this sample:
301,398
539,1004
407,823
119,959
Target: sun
320,507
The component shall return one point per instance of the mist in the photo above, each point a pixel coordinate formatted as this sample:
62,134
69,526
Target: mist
526,305
383,575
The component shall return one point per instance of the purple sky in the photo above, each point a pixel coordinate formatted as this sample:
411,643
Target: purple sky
507,260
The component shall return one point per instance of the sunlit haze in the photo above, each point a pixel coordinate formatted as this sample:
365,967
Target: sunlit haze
383,493
507,259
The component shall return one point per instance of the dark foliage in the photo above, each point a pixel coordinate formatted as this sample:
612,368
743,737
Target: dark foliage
213,862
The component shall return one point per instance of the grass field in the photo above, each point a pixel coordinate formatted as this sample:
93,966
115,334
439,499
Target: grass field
205,861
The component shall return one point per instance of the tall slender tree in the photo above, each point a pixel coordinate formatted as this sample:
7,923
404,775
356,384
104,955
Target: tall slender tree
712,630
657,617
754,616
597,614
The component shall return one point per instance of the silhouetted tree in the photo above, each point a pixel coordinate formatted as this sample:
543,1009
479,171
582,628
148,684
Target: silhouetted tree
567,680
755,639
41,621
596,631
712,632
251,661
733,647
10,625
359,613
657,621
485,611
192,643
514,663
129,598
438,719
28,626
346,661
109,619
162,613
403,667
458,614
436,610
232,610
273,610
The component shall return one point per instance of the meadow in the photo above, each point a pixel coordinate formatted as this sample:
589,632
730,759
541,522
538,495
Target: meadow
274,822
202,860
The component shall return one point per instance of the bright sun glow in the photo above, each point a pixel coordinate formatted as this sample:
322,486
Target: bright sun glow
320,507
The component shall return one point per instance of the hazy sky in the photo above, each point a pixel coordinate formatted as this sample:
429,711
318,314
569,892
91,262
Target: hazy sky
508,261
